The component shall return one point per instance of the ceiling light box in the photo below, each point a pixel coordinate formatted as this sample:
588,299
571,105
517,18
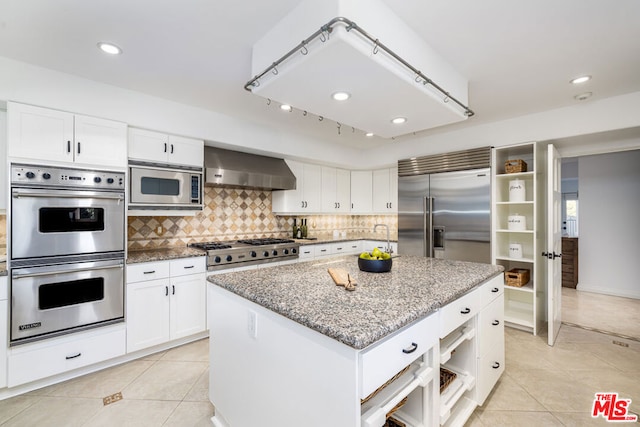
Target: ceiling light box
359,47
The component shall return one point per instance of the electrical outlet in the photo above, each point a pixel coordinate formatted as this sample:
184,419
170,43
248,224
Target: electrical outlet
252,326
159,230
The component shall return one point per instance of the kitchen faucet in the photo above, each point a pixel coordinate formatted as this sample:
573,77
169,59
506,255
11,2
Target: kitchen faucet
388,249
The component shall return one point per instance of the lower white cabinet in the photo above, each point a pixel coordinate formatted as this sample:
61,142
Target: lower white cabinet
4,327
171,304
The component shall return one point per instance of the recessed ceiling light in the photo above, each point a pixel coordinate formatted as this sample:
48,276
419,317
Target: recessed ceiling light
286,107
583,96
399,120
580,79
369,134
109,48
341,96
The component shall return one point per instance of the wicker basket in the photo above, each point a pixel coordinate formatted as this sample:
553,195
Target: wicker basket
379,389
517,277
392,422
515,166
446,378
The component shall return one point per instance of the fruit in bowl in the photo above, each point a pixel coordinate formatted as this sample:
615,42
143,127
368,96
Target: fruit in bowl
375,261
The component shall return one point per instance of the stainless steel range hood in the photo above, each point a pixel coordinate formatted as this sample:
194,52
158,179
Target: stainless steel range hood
236,169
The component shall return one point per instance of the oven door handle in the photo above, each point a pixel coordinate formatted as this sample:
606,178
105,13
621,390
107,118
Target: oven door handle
57,195
18,275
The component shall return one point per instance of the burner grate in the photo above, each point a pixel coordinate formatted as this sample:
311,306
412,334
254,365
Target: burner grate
265,241
208,246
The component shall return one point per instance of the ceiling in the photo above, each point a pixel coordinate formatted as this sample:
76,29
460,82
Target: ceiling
517,55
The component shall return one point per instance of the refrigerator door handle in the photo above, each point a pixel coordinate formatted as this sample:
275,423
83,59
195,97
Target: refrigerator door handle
438,238
428,226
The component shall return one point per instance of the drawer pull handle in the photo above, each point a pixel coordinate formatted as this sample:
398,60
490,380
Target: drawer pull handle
173,289
148,272
494,290
465,311
411,349
188,266
496,365
74,356
495,322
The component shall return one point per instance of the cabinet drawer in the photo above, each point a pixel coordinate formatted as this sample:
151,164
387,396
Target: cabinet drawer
354,247
491,290
491,326
459,311
490,367
340,248
147,271
33,362
306,252
381,362
185,266
321,250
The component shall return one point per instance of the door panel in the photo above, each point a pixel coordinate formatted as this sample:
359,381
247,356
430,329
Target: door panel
554,243
412,197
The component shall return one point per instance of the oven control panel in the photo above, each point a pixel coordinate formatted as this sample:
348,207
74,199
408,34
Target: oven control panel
66,177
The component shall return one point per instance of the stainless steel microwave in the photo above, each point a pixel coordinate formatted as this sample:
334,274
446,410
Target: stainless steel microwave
164,188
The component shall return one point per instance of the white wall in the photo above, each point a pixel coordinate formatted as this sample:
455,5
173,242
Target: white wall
609,244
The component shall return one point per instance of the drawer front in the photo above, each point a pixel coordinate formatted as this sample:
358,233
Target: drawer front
381,362
305,252
340,248
459,311
491,326
321,250
490,367
354,247
491,290
44,361
185,266
147,271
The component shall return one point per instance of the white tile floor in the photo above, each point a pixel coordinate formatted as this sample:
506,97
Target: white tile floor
541,386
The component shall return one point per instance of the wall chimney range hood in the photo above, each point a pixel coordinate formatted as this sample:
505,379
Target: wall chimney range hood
362,48
230,168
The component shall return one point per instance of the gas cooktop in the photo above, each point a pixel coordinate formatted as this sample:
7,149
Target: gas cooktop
224,255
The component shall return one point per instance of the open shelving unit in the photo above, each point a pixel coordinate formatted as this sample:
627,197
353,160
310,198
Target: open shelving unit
524,306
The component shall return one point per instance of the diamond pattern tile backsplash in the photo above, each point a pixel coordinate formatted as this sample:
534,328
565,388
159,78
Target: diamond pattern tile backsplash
231,214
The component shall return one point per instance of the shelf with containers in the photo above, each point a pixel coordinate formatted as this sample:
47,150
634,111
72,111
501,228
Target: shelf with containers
517,228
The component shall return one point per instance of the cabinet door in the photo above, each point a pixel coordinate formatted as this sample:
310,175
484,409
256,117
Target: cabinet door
381,202
3,161
188,305
39,133
329,185
290,201
100,142
147,314
343,190
148,146
393,190
361,191
4,319
312,188
186,151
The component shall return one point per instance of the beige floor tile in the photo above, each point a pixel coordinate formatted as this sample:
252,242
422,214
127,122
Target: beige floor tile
200,390
610,380
15,405
165,380
581,419
100,384
518,419
133,413
508,395
154,356
197,351
474,420
626,359
191,414
56,412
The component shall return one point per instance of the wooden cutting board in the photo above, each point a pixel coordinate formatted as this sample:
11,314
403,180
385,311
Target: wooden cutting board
341,278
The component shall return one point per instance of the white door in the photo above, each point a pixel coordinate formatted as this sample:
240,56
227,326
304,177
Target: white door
147,314
100,142
554,243
343,190
186,151
188,305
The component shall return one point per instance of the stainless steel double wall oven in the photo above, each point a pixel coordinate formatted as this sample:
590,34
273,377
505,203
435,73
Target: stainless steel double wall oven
67,250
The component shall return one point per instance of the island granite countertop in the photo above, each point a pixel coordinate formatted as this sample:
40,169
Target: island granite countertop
381,304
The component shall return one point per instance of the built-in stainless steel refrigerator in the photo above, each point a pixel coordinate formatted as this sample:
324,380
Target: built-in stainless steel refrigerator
445,214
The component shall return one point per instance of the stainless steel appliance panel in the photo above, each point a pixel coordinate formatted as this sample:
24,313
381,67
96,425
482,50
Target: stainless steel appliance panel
413,233
164,187
51,222
62,298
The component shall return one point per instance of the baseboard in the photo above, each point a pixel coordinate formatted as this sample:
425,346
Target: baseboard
608,291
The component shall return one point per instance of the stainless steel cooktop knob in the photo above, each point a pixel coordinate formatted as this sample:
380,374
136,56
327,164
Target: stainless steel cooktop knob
294,250
253,254
46,175
265,253
286,251
229,258
217,259
97,179
275,252
30,175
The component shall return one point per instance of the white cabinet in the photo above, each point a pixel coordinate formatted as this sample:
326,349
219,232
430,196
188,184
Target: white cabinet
361,191
306,198
4,327
385,190
41,134
518,232
165,301
336,190
156,147
3,161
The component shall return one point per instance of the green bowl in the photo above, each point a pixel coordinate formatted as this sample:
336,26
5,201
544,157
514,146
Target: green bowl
375,265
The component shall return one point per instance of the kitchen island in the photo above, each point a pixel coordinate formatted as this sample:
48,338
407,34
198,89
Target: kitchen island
290,348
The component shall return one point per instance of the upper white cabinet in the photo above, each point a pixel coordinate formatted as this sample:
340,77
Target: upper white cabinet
361,192
306,198
385,190
336,190
157,147
3,161
36,133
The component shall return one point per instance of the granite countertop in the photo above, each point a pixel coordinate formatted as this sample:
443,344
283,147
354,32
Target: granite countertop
328,238
381,304
150,255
